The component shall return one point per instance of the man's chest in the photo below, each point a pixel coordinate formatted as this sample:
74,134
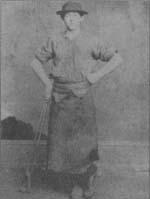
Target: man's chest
76,49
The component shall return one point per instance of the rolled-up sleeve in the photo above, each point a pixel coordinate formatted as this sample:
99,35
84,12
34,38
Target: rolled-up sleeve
45,52
103,51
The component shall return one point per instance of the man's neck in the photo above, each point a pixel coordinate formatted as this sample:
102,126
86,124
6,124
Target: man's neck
72,34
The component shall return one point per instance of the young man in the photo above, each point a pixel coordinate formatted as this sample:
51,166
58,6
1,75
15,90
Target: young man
72,137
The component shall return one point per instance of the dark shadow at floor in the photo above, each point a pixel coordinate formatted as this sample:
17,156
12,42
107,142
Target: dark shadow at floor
61,182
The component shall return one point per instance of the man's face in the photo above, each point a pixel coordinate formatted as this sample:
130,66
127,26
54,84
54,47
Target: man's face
72,20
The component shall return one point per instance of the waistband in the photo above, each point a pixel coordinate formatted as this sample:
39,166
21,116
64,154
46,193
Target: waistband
64,87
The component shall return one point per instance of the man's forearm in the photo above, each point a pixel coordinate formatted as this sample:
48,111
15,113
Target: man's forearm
38,68
110,66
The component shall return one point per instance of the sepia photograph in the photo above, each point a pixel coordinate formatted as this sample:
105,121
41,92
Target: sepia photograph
74,99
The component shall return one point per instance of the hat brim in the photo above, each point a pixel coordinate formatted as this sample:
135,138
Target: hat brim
62,12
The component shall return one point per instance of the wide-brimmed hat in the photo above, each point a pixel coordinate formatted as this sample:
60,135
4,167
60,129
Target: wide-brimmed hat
72,7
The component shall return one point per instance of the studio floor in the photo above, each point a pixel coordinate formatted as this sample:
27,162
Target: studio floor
111,185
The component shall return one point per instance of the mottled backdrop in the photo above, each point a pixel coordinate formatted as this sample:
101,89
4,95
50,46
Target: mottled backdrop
121,97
